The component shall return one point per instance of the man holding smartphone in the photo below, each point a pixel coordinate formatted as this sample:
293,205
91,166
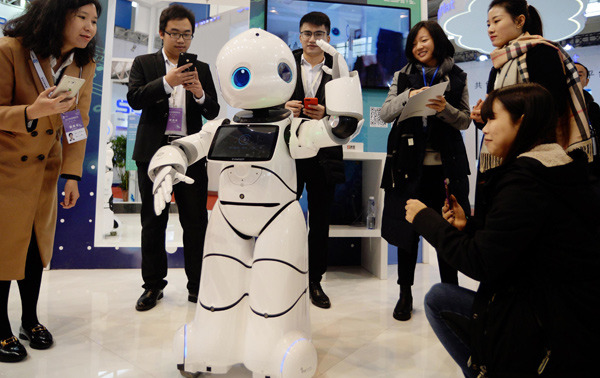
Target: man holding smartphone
173,100
322,172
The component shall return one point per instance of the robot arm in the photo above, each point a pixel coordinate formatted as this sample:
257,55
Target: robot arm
344,106
169,164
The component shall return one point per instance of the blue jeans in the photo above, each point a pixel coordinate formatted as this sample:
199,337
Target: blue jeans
448,310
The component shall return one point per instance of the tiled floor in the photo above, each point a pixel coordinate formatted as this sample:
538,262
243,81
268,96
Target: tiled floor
99,334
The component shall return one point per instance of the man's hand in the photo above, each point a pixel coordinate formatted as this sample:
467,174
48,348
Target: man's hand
315,111
194,85
295,106
44,106
412,209
176,76
71,194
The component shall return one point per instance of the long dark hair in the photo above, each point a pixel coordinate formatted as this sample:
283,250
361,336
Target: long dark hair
41,27
533,21
442,47
532,102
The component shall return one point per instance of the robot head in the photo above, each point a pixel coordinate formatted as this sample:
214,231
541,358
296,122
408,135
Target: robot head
256,70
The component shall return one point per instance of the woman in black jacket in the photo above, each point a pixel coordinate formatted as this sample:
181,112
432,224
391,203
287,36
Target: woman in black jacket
536,252
423,151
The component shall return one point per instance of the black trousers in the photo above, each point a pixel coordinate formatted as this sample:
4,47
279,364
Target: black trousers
29,289
320,193
191,204
432,193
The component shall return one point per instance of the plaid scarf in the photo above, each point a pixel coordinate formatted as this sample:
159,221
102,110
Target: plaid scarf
579,129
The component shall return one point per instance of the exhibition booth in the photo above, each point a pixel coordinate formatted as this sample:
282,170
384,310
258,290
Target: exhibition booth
103,230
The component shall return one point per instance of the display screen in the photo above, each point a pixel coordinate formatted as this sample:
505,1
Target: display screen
371,38
244,143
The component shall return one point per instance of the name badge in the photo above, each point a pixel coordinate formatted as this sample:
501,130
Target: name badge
73,124
175,120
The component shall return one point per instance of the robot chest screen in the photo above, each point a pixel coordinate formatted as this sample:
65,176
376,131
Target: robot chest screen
249,142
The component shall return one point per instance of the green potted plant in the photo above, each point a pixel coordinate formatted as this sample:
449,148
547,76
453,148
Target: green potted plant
119,146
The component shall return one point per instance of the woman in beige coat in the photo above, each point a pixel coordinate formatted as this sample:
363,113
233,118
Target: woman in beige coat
51,39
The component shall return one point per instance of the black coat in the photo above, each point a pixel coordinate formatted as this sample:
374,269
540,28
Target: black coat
146,92
405,153
537,256
329,158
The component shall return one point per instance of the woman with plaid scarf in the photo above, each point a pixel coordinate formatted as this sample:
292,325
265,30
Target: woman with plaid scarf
522,55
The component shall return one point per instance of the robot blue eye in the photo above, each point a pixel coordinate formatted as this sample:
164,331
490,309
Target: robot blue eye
285,72
240,78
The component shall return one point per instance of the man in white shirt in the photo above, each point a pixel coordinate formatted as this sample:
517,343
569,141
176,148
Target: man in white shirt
173,101
322,172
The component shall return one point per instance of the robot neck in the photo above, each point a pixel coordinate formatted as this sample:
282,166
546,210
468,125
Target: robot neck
265,115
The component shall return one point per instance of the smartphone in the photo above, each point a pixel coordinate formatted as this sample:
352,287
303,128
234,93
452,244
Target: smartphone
69,84
310,101
185,58
446,183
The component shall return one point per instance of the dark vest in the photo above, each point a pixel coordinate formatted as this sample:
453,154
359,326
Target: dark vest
408,139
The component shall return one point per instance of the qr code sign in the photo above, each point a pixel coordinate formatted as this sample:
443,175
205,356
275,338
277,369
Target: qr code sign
375,120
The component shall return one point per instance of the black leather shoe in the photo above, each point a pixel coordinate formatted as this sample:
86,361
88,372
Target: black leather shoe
318,296
403,308
193,297
11,350
39,337
148,299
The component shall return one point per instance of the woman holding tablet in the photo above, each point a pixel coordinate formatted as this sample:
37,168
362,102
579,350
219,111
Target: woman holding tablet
51,39
423,151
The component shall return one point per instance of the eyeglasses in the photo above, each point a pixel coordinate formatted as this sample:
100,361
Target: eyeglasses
176,36
318,34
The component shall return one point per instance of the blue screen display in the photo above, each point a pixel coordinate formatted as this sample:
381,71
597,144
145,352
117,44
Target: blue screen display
371,38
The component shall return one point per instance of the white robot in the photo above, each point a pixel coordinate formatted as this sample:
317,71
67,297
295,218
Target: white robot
253,305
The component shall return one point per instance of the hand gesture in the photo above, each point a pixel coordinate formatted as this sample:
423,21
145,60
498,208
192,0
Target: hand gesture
340,67
44,105
416,91
295,106
315,111
455,215
163,186
71,194
412,209
194,85
177,77
476,112
438,104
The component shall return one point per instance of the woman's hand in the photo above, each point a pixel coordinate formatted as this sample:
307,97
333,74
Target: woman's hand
455,215
416,91
412,209
315,111
71,194
438,104
476,112
45,106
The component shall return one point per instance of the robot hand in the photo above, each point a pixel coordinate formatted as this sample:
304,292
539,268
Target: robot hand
167,167
339,68
163,186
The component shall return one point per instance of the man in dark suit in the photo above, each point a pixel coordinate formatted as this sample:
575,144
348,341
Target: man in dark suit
173,102
322,172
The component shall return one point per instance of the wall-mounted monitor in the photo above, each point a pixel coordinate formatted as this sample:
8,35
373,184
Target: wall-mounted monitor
371,38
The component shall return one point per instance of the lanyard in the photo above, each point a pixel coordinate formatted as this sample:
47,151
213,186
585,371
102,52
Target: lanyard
315,83
425,79
42,75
